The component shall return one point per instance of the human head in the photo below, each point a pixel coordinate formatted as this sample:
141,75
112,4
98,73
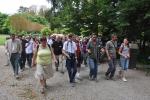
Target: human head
58,38
13,36
70,36
43,41
113,37
125,41
94,37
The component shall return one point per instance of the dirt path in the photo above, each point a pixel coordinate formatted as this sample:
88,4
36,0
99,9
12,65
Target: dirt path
137,87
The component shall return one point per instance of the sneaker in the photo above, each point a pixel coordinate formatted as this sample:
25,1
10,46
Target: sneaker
107,77
72,84
6,64
113,79
62,72
90,78
21,70
124,79
95,79
17,77
42,90
78,76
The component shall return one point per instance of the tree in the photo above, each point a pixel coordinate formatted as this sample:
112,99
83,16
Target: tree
3,27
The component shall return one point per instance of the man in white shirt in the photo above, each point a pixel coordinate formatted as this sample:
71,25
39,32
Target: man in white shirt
29,51
49,40
69,50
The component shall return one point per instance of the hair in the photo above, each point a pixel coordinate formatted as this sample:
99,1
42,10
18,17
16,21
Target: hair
112,35
43,39
12,34
70,35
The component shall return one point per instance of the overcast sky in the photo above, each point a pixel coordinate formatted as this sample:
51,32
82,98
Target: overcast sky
11,6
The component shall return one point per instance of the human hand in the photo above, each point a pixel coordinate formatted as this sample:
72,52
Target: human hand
109,58
89,51
33,63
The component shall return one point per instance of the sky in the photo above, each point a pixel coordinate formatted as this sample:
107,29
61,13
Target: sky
11,6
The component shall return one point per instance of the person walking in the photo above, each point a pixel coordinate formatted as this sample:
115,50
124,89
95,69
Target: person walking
92,49
124,52
79,57
57,49
69,50
7,53
43,60
111,54
14,48
23,53
84,51
29,51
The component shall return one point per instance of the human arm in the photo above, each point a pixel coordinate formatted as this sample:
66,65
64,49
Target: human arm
34,57
64,50
107,52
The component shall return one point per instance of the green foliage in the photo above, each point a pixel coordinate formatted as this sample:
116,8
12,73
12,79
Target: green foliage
2,39
37,19
46,31
125,17
3,27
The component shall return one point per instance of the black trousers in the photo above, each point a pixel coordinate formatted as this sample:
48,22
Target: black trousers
29,59
71,67
22,60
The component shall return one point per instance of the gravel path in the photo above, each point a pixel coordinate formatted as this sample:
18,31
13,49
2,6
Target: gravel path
26,88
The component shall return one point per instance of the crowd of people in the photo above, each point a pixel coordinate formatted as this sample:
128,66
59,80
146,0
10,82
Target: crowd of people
42,51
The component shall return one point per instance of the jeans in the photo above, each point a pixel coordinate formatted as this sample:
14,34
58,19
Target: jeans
92,63
29,59
71,67
124,63
22,60
85,58
14,59
112,68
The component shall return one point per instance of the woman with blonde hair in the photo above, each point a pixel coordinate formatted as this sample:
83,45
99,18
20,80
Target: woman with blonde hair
43,60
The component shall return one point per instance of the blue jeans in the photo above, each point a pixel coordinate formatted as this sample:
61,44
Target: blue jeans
72,69
112,68
14,59
124,63
92,63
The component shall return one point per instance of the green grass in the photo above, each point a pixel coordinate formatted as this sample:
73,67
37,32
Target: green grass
2,39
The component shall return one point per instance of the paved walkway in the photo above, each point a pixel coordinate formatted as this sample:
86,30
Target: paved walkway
137,87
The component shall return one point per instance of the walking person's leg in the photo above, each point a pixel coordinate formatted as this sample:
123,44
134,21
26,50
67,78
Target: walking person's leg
68,63
110,64
12,60
17,58
62,58
126,63
91,66
57,63
30,59
95,70
74,70
27,57
113,68
23,60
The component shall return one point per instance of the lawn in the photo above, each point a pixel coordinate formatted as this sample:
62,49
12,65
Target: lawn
2,39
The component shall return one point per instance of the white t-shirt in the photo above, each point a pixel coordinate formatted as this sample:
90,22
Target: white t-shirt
70,46
49,41
29,47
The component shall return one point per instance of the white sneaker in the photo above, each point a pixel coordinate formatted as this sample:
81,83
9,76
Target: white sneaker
124,79
17,76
